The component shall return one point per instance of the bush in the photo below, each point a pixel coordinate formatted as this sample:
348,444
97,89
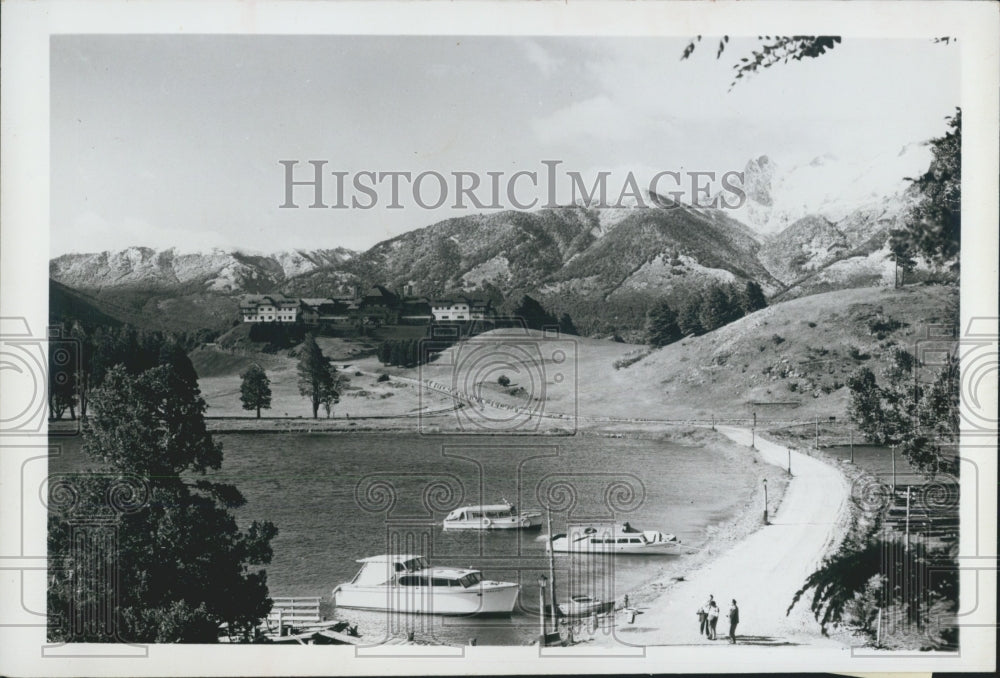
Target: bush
777,339
855,353
812,324
503,380
881,324
382,378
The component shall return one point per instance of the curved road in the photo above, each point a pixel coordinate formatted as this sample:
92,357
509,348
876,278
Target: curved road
763,571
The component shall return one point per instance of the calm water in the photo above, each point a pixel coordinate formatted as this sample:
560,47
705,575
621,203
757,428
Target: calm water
339,497
878,461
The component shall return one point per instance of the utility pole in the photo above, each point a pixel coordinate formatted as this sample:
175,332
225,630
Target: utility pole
852,444
907,546
817,433
892,451
789,461
753,432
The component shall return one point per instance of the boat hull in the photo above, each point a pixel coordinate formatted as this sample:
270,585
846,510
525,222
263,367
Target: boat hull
586,609
493,599
655,549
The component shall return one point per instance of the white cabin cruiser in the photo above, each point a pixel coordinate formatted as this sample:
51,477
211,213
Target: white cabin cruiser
613,539
408,583
492,517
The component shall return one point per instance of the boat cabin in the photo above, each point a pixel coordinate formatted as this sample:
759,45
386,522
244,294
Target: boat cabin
491,511
411,570
378,570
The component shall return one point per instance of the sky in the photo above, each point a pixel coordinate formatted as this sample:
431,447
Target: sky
176,141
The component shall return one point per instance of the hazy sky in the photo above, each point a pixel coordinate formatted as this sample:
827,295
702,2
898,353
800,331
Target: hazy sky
175,140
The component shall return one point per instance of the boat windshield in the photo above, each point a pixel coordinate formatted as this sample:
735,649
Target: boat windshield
414,564
471,579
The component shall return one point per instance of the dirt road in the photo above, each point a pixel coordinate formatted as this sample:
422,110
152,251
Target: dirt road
763,571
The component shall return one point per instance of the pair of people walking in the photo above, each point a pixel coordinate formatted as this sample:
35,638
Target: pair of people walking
708,619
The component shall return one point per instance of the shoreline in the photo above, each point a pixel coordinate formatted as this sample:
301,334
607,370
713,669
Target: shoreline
720,537
752,555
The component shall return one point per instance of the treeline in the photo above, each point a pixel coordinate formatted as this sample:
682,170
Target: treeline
536,316
411,352
82,357
702,312
277,336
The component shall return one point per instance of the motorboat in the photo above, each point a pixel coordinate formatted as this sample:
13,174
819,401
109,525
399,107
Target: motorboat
409,584
615,539
503,516
585,606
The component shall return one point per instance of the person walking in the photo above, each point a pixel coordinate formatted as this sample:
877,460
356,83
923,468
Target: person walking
713,619
734,619
703,615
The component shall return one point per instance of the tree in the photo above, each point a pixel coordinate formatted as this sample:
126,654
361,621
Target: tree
384,352
85,342
868,572
534,314
333,389
716,309
661,325
900,412
314,373
566,325
935,222
753,298
63,375
255,389
900,244
689,316
503,380
395,354
773,50
182,564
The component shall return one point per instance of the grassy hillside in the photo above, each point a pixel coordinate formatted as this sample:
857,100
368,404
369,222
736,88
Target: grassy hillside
181,308
68,305
790,361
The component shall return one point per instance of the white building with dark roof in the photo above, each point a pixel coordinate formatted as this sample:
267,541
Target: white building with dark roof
269,308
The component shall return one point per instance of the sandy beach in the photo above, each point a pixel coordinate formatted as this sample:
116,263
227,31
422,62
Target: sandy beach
762,572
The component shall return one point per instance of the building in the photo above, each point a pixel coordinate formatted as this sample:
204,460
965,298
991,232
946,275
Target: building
415,311
460,308
378,295
327,310
269,308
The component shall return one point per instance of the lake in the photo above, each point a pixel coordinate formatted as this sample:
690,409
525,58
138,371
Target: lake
338,497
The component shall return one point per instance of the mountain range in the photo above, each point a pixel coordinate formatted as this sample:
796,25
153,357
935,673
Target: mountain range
812,227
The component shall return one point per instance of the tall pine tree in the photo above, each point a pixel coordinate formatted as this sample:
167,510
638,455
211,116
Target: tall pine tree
661,325
314,373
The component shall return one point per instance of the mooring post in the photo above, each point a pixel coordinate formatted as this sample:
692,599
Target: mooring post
552,571
765,501
541,610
